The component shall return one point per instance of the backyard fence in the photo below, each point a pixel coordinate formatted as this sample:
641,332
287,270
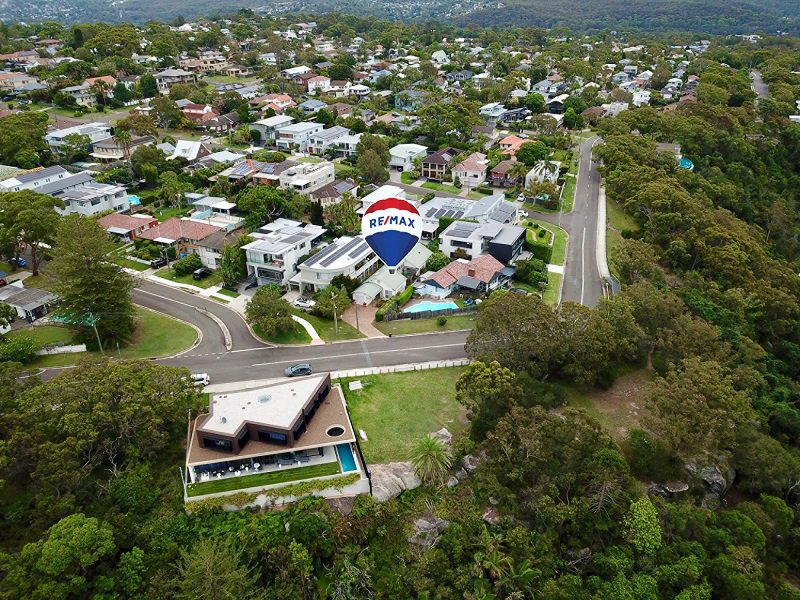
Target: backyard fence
430,314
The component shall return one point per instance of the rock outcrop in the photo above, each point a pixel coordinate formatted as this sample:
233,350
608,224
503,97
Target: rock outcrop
389,480
717,476
427,530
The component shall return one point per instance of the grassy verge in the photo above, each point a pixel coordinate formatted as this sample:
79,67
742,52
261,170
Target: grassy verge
568,197
441,187
46,334
552,289
214,279
618,220
230,293
220,300
326,330
40,281
409,326
398,409
308,159
215,486
298,335
407,178
130,264
155,335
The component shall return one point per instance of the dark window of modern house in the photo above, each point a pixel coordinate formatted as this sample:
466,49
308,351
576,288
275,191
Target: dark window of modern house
217,444
244,438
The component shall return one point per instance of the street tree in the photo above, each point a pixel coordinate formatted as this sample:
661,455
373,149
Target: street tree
332,300
233,261
271,313
90,287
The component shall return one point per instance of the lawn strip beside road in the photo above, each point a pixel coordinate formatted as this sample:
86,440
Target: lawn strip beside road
298,335
215,486
168,273
398,409
156,335
411,326
327,330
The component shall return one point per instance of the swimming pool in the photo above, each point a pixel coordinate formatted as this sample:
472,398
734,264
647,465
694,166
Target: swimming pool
432,306
346,458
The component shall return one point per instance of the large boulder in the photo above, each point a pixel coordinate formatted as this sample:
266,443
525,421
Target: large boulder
444,436
717,476
471,463
427,530
390,480
667,489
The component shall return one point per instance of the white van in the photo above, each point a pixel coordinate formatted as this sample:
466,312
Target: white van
201,379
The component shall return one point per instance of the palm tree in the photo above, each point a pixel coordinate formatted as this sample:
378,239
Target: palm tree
123,138
431,459
519,170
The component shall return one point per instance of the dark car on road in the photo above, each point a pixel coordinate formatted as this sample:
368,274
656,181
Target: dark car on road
201,273
299,370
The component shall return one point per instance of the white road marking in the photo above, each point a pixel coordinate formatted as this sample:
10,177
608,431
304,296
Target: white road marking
583,260
283,362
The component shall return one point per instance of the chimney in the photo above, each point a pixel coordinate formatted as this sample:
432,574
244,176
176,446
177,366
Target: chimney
471,272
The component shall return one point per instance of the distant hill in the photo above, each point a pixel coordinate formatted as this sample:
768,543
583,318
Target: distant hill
700,16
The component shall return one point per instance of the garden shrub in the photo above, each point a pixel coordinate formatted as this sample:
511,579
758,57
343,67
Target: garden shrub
186,265
539,250
441,321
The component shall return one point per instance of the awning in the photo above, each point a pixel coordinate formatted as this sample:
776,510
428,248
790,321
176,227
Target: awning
163,240
468,282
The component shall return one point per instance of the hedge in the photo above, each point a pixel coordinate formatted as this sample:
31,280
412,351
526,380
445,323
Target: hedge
187,265
541,251
396,302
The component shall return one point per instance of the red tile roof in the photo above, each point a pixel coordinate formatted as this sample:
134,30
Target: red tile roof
483,268
179,229
125,221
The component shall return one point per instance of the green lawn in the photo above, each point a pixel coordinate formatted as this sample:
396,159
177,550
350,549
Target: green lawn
552,289
441,187
231,293
409,326
220,300
40,281
298,335
397,409
156,335
325,328
407,178
230,79
262,479
214,279
568,197
308,159
4,266
618,219
130,264
559,244
46,334
162,214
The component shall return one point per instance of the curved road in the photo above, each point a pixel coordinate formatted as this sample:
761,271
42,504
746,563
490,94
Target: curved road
582,282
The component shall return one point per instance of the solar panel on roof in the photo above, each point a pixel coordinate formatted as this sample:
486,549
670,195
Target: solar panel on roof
430,212
329,260
320,255
358,250
294,238
440,213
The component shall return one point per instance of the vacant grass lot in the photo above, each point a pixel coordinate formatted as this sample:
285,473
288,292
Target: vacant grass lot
409,326
215,486
156,335
398,409
326,330
46,334
130,264
298,335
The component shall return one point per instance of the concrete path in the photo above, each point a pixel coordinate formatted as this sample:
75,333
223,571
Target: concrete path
364,323
555,269
315,339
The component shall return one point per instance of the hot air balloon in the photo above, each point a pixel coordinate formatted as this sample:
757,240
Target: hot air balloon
392,227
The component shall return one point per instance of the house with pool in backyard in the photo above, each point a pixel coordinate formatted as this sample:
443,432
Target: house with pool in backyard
276,443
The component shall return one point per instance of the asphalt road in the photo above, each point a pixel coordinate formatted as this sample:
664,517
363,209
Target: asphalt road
582,282
758,85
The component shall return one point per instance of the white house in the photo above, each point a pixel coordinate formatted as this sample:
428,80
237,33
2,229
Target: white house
347,255
190,150
296,135
347,144
308,177
82,195
273,257
322,141
493,111
94,131
269,126
472,240
543,170
471,172
33,179
293,72
404,155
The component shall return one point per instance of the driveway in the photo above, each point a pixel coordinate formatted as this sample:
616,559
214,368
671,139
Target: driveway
758,85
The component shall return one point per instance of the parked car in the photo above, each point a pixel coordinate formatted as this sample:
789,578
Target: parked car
299,370
18,262
303,302
201,379
157,263
201,273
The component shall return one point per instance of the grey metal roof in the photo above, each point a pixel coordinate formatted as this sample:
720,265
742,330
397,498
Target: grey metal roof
468,282
509,234
54,187
33,176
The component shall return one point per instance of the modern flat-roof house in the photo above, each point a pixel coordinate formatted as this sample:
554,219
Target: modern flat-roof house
402,156
346,255
308,177
82,195
269,126
327,139
503,242
296,135
273,257
480,275
214,210
435,166
169,77
299,429
489,209
493,111
94,131
347,145
543,170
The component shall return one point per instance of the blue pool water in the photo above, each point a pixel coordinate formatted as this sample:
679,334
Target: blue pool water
346,458
424,306
685,163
